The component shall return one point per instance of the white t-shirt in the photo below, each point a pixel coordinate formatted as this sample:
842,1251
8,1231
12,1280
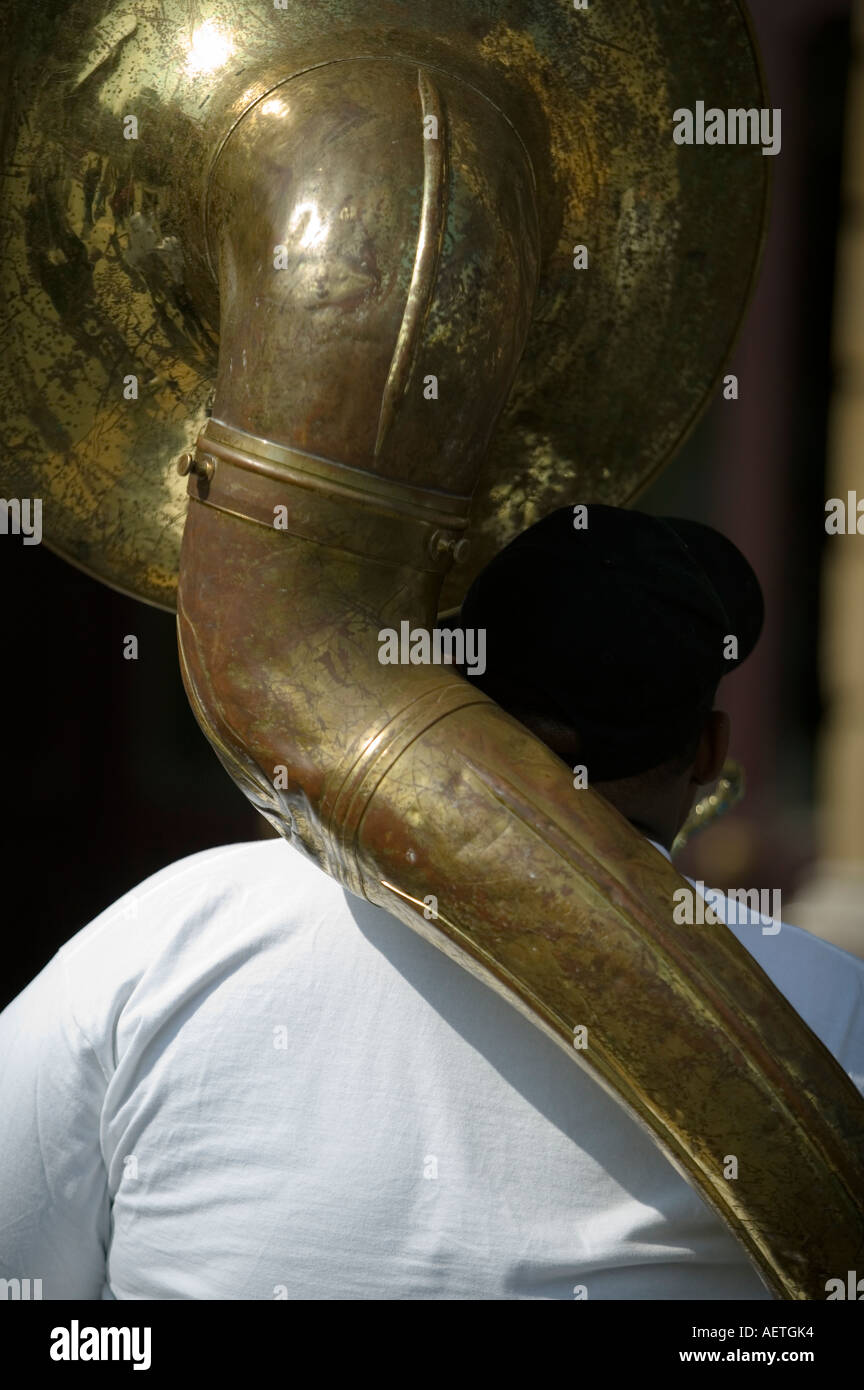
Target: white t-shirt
242,1082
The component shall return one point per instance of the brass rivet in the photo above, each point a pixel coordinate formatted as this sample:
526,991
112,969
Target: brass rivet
443,541
203,467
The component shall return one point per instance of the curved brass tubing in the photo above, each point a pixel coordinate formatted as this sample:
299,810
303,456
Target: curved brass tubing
327,495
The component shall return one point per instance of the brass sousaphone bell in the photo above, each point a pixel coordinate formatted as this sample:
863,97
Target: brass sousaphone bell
384,278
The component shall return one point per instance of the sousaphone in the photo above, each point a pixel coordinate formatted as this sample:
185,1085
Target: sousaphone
385,283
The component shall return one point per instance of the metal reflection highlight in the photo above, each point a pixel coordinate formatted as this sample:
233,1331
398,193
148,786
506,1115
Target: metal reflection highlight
209,49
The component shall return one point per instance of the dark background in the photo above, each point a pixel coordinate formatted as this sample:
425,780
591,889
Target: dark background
107,777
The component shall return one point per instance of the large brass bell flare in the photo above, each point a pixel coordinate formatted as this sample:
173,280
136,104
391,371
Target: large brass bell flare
117,117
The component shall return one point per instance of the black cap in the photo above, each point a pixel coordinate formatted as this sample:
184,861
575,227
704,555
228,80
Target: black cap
619,626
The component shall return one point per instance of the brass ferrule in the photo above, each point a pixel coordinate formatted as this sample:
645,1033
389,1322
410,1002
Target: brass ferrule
299,494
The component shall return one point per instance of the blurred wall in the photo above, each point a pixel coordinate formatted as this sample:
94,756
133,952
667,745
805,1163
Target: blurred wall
830,901
756,467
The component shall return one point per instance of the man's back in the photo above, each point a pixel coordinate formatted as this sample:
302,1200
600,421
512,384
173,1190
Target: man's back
244,1083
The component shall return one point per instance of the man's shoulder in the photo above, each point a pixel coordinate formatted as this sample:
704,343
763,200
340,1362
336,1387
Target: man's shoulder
758,924
214,870
206,881
822,982
226,900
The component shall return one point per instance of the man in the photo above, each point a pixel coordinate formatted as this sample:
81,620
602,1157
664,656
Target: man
620,679
242,1082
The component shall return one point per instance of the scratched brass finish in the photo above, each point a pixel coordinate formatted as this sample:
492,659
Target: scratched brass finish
405,782
106,275
329,496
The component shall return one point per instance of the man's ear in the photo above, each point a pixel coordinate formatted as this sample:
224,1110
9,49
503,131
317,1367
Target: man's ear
713,747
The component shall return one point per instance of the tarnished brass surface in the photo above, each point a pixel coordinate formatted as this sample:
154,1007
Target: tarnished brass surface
405,783
106,275
403,262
